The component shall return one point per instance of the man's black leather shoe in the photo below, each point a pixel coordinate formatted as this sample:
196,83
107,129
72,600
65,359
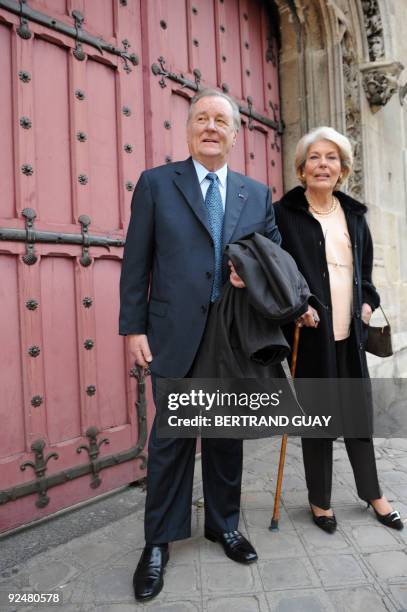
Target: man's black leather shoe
148,577
235,545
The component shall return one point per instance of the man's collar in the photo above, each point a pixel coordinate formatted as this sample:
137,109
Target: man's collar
202,172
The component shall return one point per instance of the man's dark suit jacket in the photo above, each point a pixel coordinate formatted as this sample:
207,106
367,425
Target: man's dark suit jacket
169,243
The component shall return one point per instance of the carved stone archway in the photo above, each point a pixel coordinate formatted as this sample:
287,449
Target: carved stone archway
336,64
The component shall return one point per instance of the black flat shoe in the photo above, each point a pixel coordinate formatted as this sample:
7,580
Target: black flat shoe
326,523
392,519
235,545
148,577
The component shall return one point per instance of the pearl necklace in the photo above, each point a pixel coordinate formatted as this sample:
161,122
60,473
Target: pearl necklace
317,211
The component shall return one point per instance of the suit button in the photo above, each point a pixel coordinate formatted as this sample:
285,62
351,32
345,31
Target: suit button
320,243
361,346
356,281
357,313
208,274
204,309
323,275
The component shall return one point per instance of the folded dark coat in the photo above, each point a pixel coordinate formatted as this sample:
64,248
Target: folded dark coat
242,338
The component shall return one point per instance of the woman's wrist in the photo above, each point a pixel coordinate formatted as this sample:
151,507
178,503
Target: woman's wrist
366,312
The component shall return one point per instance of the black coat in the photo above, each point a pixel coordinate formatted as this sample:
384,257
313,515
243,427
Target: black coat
243,344
303,238
239,342
241,339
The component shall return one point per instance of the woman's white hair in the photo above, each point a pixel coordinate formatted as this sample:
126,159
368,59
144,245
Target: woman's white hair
324,133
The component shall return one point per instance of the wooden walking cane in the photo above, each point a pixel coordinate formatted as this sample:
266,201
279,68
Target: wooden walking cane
276,511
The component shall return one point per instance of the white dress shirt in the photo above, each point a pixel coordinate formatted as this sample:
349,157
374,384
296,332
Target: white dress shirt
204,182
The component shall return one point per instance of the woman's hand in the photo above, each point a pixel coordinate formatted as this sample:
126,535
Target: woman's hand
308,319
366,313
234,278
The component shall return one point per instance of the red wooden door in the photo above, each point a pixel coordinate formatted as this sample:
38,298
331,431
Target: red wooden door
92,92
226,44
72,144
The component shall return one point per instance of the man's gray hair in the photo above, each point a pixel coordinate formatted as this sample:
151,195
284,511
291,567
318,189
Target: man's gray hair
324,133
215,93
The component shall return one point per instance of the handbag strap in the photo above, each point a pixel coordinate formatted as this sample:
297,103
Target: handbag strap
387,320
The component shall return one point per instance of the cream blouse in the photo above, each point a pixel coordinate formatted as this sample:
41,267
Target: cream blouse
338,251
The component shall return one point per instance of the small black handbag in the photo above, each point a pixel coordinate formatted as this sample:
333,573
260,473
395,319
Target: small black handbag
379,339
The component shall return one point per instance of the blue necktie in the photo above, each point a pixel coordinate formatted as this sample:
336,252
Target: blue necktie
214,206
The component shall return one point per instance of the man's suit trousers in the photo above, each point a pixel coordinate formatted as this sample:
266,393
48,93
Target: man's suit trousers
170,472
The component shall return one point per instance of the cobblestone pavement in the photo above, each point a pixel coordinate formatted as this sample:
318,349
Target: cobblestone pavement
300,568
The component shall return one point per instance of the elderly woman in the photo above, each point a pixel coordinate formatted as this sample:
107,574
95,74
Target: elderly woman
326,232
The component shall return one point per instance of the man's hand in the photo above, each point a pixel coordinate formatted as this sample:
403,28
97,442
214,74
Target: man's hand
234,278
139,349
366,313
308,319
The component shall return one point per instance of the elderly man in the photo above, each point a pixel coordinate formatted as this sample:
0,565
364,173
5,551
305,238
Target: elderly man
183,214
